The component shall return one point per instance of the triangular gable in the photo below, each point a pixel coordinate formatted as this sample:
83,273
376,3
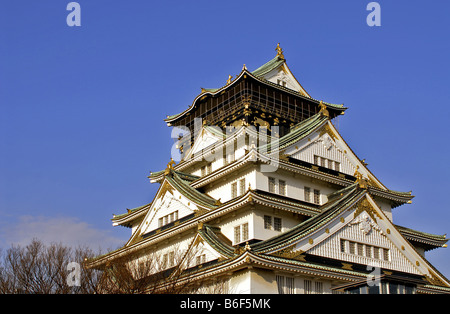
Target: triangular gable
283,76
366,227
328,145
204,139
169,205
200,251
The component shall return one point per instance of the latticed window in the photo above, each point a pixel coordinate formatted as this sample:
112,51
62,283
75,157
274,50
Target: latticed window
277,224
337,166
343,248
366,250
241,233
318,287
233,189
237,234
272,185
282,187
352,247
241,186
386,254
317,197
285,285
308,286
316,160
245,232
267,222
200,259
307,194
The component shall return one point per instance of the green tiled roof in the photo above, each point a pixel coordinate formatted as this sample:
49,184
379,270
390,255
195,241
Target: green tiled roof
268,66
329,211
183,186
299,131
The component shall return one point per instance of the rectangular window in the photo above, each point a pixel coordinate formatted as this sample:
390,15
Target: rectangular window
360,249
322,162
241,187
277,224
308,286
282,187
280,284
209,168
233,189
285,285
202,258
386,254
164,261
267,222
272,185
175,215
337,166
171,259
237,234
317,197
318,287
289,285
245,232
369,251
230,158
343,245
307,194
352,247
160,222
316,160
376,253
203,171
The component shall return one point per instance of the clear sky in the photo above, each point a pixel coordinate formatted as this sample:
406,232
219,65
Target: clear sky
82,108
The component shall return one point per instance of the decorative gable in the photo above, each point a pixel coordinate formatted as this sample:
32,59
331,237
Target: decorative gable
362,241
325,147
169,206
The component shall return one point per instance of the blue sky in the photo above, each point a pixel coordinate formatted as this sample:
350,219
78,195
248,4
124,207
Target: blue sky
82,108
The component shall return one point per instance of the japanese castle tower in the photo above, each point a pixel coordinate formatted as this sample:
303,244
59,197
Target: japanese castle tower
267,197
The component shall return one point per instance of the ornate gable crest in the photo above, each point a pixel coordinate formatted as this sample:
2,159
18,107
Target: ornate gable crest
366,224
365,206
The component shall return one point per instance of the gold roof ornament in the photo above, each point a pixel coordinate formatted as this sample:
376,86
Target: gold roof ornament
279,51
229,79
360,179
244,67
323,109
169,166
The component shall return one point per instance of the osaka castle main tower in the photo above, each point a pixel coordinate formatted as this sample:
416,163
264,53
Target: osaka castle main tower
263,195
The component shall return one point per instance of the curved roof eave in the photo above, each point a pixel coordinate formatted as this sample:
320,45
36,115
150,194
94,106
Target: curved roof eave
213,92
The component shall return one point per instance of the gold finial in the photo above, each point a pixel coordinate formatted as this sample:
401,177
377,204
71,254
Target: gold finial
169,166
360,179
229,79
279,51
323,109
244,67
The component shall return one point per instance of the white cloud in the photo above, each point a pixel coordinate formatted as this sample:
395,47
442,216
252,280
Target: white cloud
69,231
